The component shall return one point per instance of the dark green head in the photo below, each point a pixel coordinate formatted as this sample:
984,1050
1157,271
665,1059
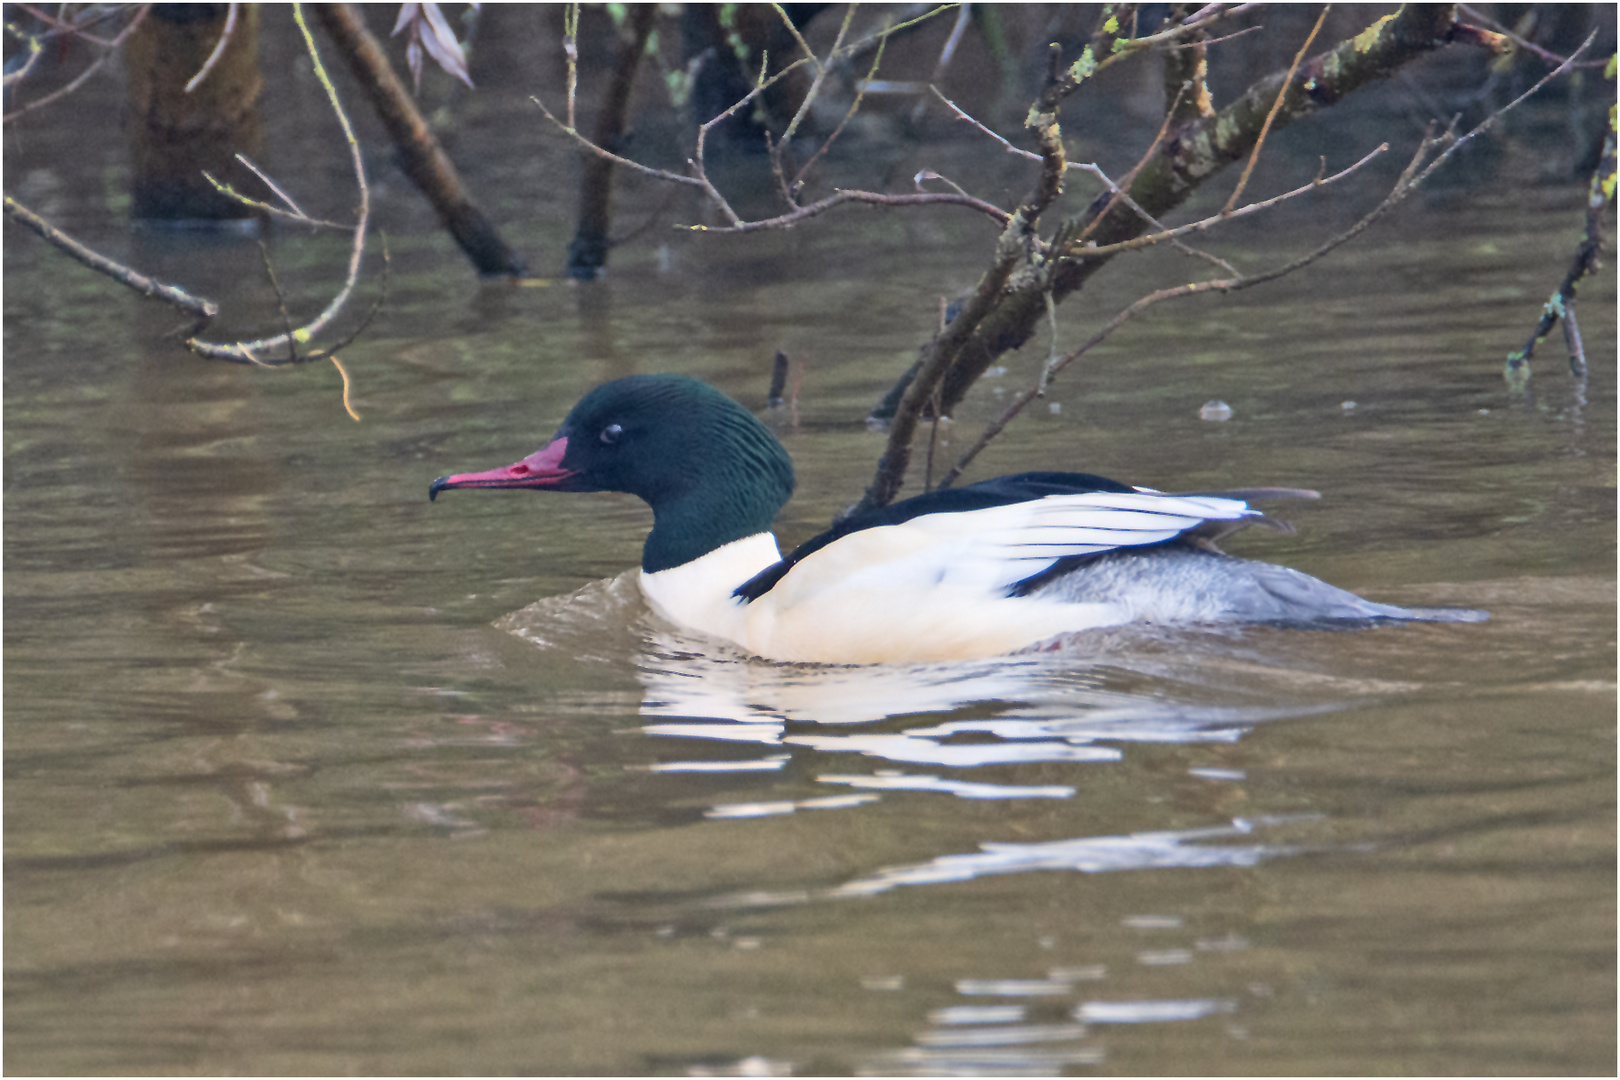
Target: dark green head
711,472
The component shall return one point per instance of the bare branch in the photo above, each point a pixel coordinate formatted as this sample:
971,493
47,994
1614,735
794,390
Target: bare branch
809,53
1186,74
420,155
1414,174
198,307
240,351
35,50
296,215
1506,33
1490,121
860,96
1118,190
698,176
1201,149
219,49
1108,46
1119,195
79,28
964,16
1560,307
84,76
347,407
571,51
841,196
657,174
1224,216
273,186
1265,128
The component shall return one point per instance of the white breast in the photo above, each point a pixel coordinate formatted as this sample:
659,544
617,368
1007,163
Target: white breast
698,594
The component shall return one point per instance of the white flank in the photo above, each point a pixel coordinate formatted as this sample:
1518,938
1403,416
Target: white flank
932,588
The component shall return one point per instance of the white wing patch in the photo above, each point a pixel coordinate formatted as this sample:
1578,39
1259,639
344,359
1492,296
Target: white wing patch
1001,546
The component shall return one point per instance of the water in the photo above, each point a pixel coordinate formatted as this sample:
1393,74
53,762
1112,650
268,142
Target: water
305,774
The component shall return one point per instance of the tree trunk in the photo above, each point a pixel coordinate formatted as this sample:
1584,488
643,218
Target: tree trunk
587,253
175,135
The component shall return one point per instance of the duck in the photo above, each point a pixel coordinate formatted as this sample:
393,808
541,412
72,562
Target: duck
1004,565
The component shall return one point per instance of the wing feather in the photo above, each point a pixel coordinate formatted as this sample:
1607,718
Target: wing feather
995,548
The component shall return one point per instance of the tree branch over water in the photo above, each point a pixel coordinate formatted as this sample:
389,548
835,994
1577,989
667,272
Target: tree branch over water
1183,159
282,349
259,351
1432,152
198,307
1560,307
1037,263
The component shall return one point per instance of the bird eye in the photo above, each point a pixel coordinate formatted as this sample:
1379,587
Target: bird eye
612,434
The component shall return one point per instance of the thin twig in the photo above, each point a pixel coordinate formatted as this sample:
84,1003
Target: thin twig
196,306
933,441
860,96
272,185
247,200
841,196
1119,192
571,51
1408,181
1219,218
1124,47
1523,43
809,53
84,75
698,176
964,17
219,49
645,170
347,407
1560,307
1130,177
281,302
306,333
1216,40
1572,339
1265,128
35,51
1487,123
78,29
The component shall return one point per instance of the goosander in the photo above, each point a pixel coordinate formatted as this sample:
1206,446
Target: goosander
975,571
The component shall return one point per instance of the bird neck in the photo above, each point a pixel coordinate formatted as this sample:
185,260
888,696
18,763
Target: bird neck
690,525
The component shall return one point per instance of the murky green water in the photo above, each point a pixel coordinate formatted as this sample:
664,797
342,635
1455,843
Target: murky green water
305,774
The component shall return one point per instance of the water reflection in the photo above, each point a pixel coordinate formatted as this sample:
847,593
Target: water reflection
1045,1031
892,731
917,723
1153,1012
1071,707
1091,855
917,730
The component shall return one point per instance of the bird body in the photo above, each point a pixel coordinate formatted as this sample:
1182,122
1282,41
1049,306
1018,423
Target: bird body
976,571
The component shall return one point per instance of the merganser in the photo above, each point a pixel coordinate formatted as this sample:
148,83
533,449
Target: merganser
975,571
